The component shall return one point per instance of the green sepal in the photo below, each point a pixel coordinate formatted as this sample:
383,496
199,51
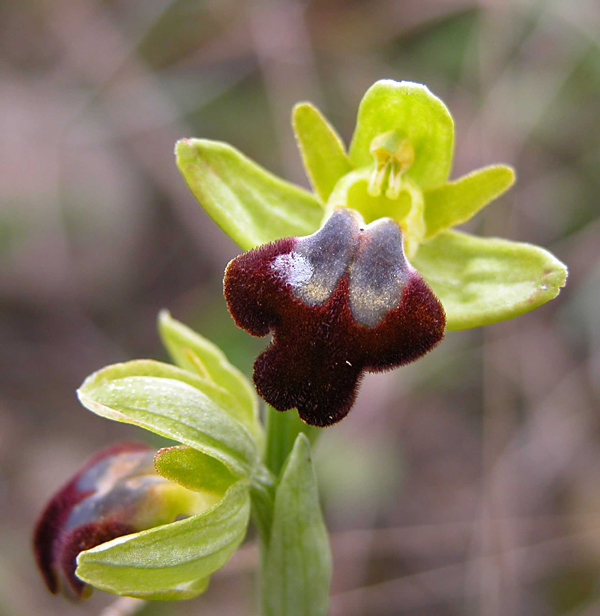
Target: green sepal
251,205
193,469
415,113
456,202
322,150
297,566
485,280
184,345
182,592
165,400
161,562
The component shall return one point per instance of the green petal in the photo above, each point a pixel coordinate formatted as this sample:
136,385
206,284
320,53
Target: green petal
193,469
162,561
180,341
485,280
415,113
167,403
297,565
323,152
458,201
250,204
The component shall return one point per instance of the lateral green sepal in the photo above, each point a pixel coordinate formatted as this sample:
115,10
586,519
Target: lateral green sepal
485,280
251,205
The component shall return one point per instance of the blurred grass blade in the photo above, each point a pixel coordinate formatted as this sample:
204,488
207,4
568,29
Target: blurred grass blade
180,339
485,280
415,113
172,558
456,202
297,567
323,152
251,205
167,404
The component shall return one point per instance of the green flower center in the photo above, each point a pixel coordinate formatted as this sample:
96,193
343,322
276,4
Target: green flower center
394,155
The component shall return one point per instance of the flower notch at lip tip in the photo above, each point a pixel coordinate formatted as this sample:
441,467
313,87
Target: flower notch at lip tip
339,302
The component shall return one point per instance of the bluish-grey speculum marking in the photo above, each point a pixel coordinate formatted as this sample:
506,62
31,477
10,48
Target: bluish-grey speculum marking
373,257
318,261
378,273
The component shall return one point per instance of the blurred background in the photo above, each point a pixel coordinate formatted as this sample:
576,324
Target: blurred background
465,484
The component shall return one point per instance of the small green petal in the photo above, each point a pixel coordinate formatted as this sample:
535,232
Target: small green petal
413,112
183,344
164,401
251,205
193,469
485,280
458,201
323,152
161,562
297,566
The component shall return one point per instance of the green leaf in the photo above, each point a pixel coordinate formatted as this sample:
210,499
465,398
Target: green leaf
172,558
193,469
297,567
167,404
323,152
485,280
415,113
251,205
458,201
180,340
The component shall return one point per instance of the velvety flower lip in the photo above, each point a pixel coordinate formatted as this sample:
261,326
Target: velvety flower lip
116,493
339,302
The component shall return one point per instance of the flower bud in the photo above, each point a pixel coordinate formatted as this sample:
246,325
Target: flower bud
116,493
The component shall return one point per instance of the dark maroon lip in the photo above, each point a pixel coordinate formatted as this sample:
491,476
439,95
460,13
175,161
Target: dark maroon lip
338,303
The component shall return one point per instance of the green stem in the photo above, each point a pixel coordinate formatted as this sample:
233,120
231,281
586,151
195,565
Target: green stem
282,430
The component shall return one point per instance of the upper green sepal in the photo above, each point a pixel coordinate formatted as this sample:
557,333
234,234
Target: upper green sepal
322,150
251,205
458,201
485,280
411,111
172,403
297,566
172,561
